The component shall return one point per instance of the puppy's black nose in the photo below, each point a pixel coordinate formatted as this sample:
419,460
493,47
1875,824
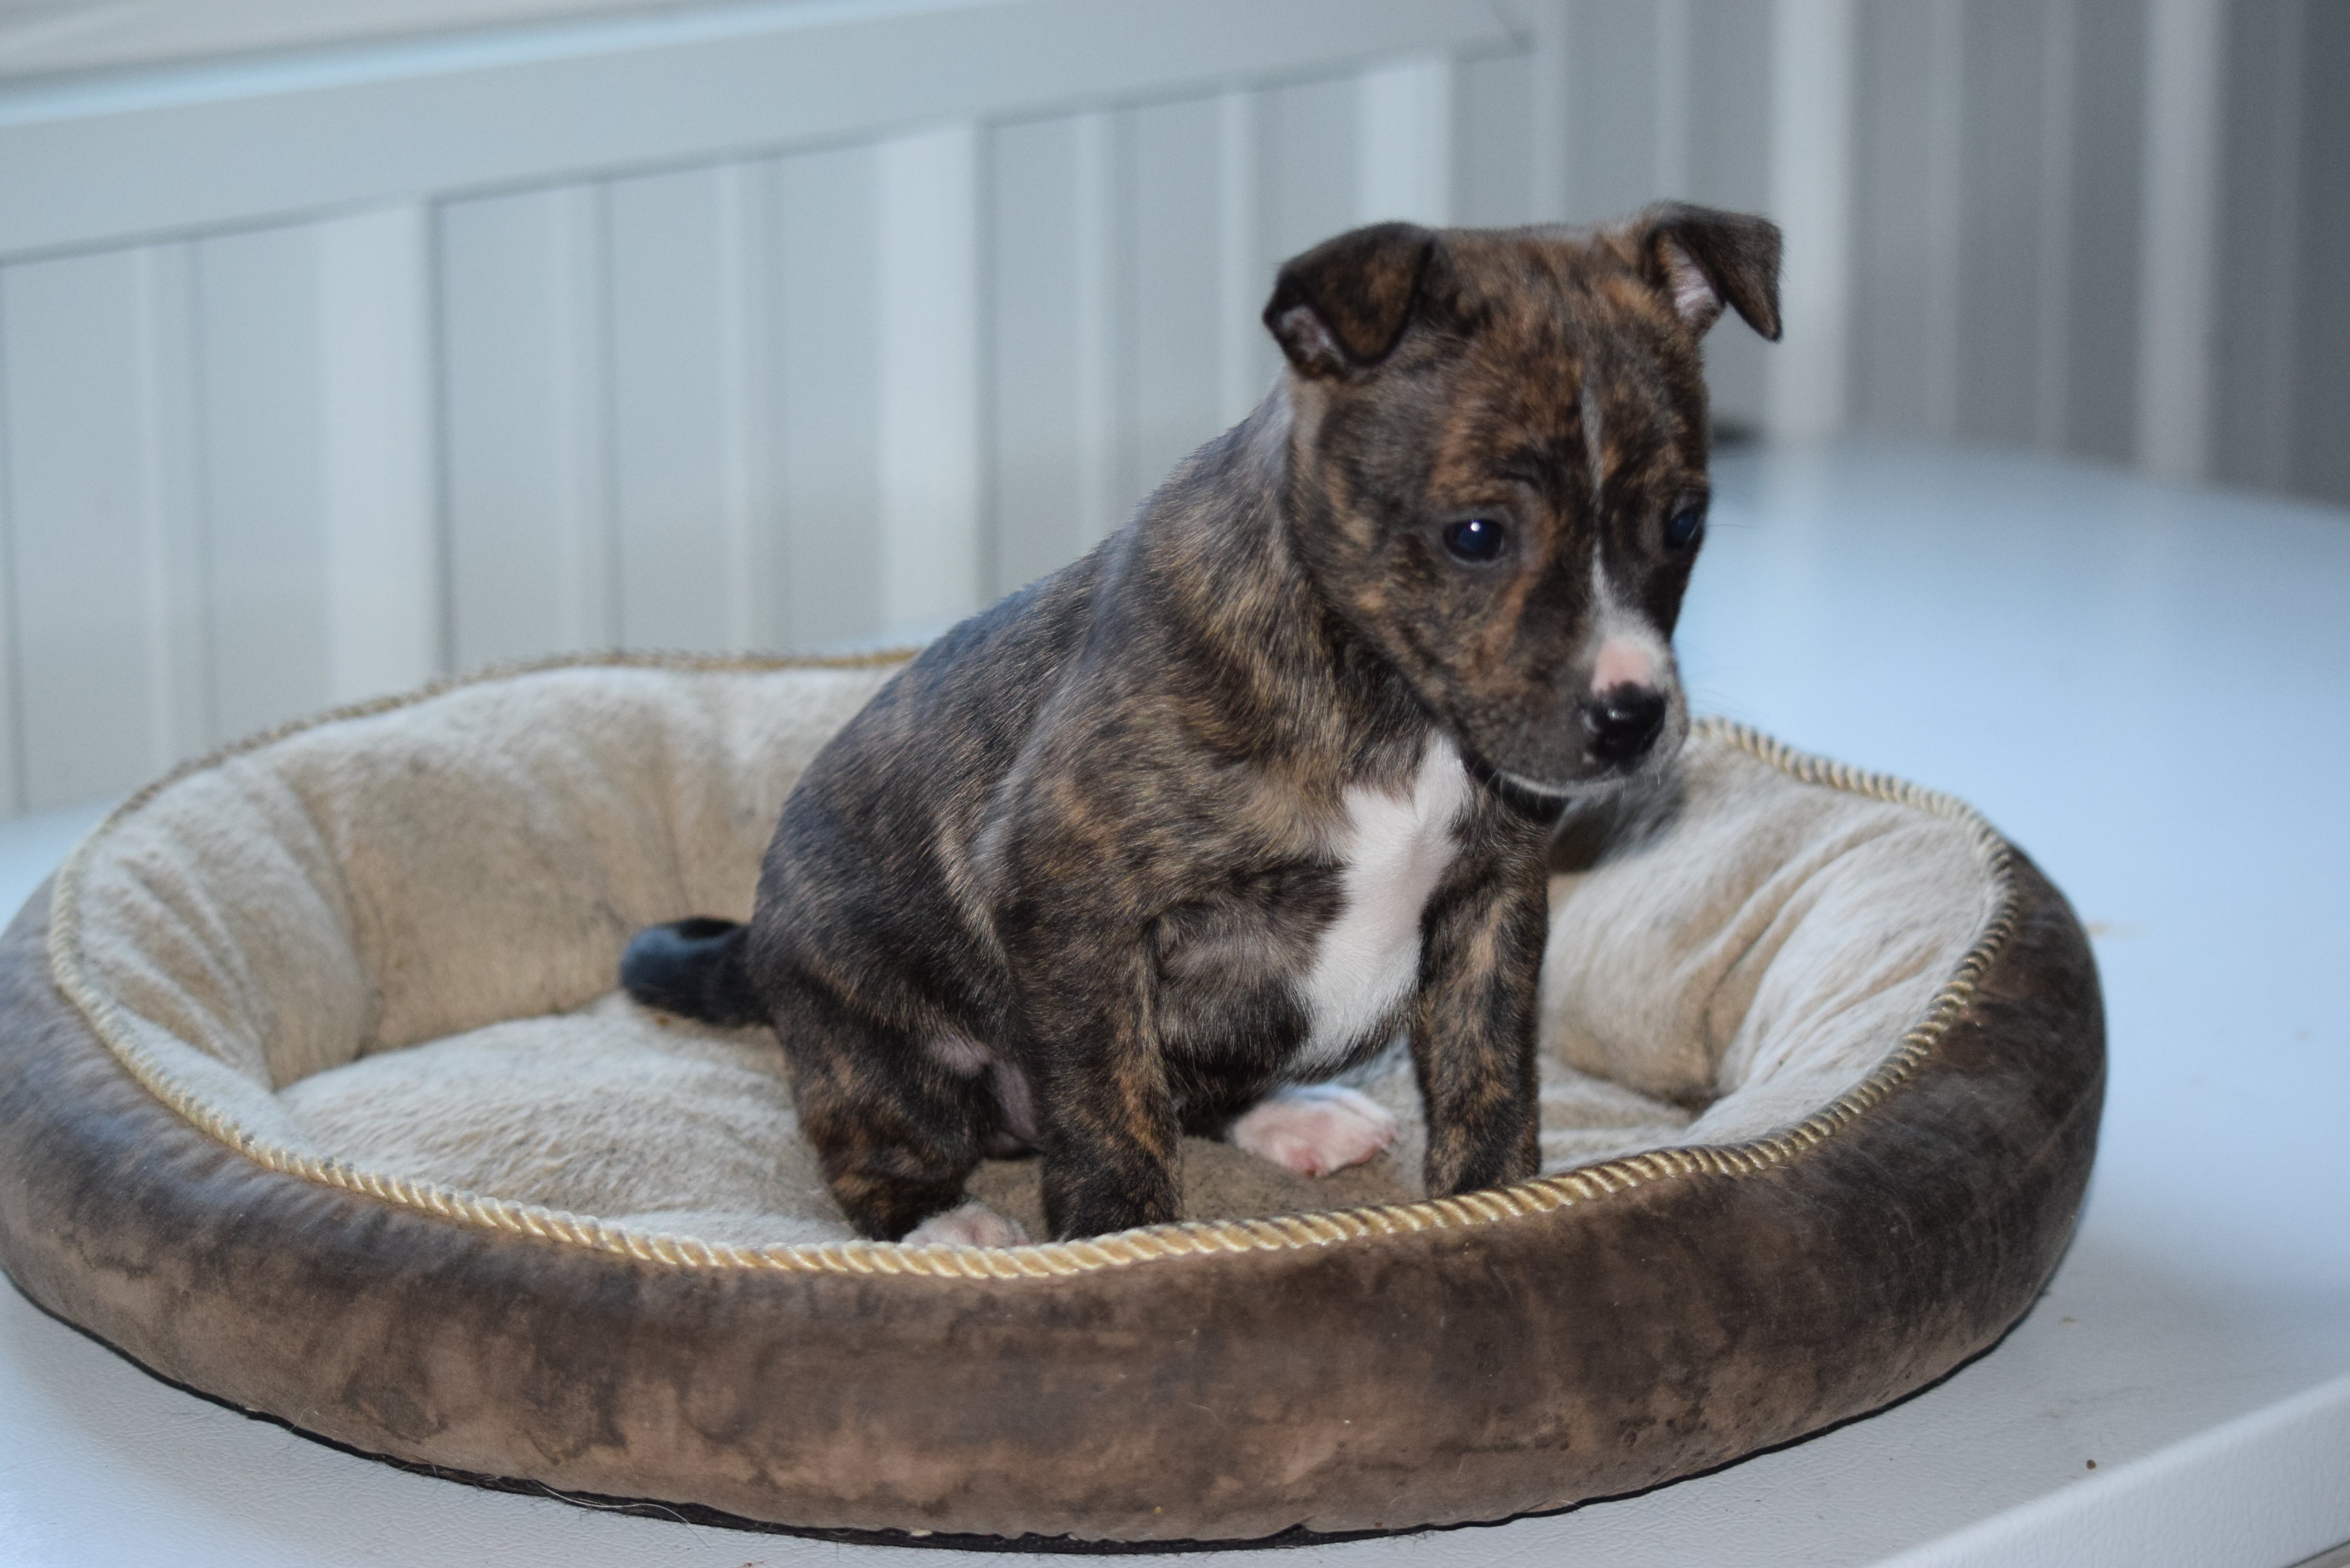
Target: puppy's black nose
1622,722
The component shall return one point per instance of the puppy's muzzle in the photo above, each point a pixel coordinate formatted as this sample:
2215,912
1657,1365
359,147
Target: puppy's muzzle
1621,724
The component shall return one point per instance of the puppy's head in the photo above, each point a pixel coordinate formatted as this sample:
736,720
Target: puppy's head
1498,467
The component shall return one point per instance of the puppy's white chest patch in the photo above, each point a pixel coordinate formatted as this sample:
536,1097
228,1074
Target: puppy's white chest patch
1395,849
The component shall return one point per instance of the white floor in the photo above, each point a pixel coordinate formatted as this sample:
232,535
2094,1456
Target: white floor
2146,688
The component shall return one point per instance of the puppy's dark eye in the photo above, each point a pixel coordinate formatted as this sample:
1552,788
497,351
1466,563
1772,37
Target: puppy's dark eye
1476,539
1682,528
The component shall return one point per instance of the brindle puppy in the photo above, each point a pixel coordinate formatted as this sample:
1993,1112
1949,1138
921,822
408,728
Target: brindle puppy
1267,777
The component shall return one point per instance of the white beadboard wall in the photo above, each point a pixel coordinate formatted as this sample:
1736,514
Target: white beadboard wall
322,376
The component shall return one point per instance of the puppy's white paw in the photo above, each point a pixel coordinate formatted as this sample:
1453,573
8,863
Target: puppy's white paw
1315,1129
974,1224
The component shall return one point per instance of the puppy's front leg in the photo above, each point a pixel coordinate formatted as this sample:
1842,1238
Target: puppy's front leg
1473,1043
1105,1116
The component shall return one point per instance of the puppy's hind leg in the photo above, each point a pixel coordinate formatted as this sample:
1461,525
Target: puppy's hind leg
1315,1129
898,1134
972,1224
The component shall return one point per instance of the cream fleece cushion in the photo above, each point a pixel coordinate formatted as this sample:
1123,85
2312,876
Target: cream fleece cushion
389,940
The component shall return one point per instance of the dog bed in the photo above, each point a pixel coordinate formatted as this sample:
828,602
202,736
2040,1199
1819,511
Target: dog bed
315,1096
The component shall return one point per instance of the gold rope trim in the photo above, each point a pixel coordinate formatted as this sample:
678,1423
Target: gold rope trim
1052,1259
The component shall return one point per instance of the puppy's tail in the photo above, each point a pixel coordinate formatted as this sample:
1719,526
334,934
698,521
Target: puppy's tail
694,968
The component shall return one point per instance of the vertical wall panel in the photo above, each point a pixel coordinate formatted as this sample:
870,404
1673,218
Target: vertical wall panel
2320,386
524,412
1123,255
1550,94
1998,360
1669,170
85,508
2052,273
1729,104
1898,185
928,354
382,468
824,239
669,396
1811,185
1612,111
1244,266
1101,307
78,408
1306,189
754,595
2260,252
179,544
1048,233
2280,396
1178,294
2105,251
12,770
178,583
1728,130
2184,70
1403,149
264,483
1493,142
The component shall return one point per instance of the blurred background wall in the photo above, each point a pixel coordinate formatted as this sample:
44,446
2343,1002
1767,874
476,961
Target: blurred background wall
349,343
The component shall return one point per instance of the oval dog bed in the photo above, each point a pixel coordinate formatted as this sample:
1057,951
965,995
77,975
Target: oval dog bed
315,1095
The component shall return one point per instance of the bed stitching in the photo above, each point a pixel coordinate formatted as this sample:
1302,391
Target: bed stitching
1311,1229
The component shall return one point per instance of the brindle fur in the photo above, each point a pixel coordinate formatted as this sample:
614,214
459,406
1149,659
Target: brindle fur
1088,833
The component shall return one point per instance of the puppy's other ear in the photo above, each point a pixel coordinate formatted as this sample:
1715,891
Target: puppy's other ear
1343,304
1701,259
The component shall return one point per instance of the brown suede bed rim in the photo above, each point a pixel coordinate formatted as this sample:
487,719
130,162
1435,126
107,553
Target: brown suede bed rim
1474,1375
1498,1206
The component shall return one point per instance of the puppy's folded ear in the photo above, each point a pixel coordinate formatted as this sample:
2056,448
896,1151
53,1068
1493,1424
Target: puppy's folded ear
1344,304
1701,259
